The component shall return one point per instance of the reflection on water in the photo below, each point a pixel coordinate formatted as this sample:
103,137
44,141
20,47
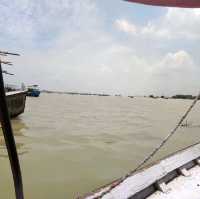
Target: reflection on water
19,128
74,144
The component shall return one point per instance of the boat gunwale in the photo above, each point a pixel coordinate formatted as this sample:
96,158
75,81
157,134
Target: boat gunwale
165,173
12,93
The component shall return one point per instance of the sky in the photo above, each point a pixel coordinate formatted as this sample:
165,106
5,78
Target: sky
102,46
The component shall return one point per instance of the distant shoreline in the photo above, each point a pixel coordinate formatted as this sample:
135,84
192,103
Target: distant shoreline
178,96
74,93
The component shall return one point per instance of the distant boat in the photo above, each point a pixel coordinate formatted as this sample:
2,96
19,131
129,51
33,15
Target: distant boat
16,102
33,91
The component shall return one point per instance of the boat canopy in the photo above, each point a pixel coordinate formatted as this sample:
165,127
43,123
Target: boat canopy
170,3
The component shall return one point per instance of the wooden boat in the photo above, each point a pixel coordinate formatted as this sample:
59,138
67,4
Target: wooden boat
175,177
16,102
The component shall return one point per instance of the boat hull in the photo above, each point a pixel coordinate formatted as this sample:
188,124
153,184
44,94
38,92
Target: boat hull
16,101
33,93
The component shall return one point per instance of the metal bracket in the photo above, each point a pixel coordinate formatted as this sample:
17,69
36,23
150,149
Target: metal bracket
161,186
197,161
184,172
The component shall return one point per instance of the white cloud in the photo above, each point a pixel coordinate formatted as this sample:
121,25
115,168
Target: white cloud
175,62
65,45
175,24
175,73
30,21
125,26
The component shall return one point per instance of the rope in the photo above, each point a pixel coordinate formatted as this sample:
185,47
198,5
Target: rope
169,135
146,159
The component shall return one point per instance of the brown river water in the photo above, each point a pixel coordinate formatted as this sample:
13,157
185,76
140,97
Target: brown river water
70,145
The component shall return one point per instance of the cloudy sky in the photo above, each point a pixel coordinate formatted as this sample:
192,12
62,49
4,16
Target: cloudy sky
108,46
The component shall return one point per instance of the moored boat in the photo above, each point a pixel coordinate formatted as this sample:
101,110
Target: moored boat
16,101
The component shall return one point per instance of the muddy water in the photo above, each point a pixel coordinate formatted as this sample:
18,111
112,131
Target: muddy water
70,145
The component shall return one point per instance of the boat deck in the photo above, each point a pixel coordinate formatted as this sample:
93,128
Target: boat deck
182,187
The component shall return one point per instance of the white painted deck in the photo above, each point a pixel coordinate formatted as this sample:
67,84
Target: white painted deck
182,187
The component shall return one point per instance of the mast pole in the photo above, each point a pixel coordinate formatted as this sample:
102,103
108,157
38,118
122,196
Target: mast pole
9,140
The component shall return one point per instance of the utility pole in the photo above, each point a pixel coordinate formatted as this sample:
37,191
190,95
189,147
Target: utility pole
8,132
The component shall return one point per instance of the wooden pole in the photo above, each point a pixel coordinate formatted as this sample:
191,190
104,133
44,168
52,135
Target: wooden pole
10,141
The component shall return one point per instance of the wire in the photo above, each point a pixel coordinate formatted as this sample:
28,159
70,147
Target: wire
169,135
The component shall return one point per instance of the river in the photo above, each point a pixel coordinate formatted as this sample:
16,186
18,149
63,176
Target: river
70,145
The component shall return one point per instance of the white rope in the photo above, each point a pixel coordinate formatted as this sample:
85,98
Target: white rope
146,159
